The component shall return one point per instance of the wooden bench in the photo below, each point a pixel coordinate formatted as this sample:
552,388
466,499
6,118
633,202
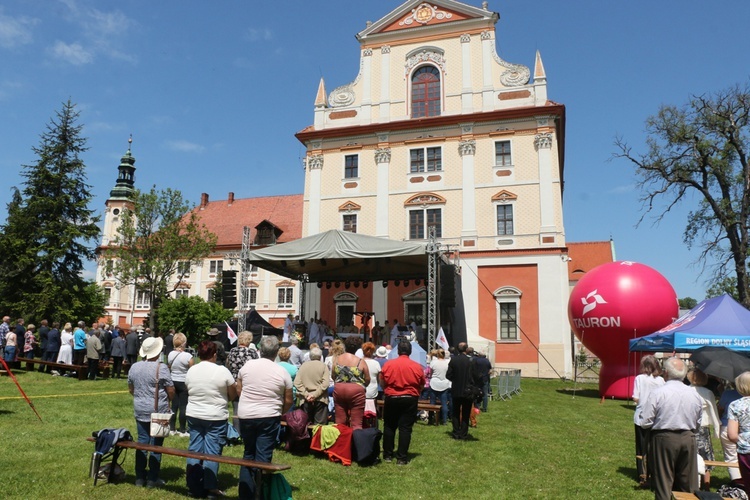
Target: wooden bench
681,495
717,463
422,404
81,370
262,467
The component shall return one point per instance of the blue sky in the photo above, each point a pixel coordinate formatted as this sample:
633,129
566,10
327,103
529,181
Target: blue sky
213,92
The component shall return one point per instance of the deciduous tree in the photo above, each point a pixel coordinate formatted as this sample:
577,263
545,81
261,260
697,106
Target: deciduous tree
191,315
155,234
702,148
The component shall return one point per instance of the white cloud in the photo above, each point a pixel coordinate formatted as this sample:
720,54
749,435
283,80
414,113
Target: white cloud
9,88
15,31
102,33
255,35
73,53
184,146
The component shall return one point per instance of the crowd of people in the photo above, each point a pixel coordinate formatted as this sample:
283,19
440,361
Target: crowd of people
338,382
679,409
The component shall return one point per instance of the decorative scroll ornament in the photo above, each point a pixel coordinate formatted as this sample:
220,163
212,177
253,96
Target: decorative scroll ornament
425,199
467,147
516,74
344,95
367,52
424,14
422,56
385,49
383,155
543,141
465,38
315,162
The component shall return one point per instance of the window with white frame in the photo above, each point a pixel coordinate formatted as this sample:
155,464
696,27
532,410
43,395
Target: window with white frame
211,295
109,267
183,267
508,300
216,266
421,219
250,296
181,292
504,219
426,160
107,295
503,157
351,166
142,299
350,223
286,296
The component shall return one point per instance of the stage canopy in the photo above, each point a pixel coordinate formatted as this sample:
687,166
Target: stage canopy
720,321
341,256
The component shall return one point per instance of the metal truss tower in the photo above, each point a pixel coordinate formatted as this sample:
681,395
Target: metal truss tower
244,278
433,252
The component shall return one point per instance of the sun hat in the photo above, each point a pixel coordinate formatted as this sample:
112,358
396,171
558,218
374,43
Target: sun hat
381,352
213,332
151,347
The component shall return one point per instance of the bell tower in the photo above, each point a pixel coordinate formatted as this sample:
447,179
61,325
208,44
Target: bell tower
120,197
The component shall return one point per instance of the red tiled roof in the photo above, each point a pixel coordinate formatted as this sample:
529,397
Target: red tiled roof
586,255
227,220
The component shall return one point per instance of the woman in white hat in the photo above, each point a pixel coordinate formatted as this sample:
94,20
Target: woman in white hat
143,384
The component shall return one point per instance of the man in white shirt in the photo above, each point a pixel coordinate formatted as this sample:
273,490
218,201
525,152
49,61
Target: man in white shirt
288,328
673,413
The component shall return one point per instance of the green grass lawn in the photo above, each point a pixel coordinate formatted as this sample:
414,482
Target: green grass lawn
543,443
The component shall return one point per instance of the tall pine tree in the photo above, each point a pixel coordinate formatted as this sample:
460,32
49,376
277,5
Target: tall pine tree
51,231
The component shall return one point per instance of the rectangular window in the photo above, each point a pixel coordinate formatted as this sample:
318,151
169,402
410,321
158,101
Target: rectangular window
351,166
181,292
504,220
508,321
183,267
425,160
211,296
253,268
502,154
109,267
422,219
216,266
253,299
142,299
286,297
350,223
107,296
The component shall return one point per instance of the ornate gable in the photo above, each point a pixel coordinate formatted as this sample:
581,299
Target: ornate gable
418,13
426,13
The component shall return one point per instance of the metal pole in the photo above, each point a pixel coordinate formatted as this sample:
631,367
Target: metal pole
303,279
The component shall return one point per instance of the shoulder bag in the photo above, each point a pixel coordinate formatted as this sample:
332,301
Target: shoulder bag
159,421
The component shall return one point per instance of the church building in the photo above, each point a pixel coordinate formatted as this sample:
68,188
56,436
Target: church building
437,132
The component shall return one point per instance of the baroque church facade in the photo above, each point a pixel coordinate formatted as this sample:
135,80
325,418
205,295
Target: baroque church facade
438,132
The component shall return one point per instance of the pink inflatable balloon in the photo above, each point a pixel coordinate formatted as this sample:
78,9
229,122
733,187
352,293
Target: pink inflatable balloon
610,305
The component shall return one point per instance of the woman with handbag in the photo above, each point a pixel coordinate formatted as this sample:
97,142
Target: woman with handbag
152,389
210,388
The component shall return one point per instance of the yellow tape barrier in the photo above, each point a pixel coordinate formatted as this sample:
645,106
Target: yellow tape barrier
36,396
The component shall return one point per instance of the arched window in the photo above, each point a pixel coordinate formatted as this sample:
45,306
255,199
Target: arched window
425,92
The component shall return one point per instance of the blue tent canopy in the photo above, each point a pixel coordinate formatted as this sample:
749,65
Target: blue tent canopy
720,321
